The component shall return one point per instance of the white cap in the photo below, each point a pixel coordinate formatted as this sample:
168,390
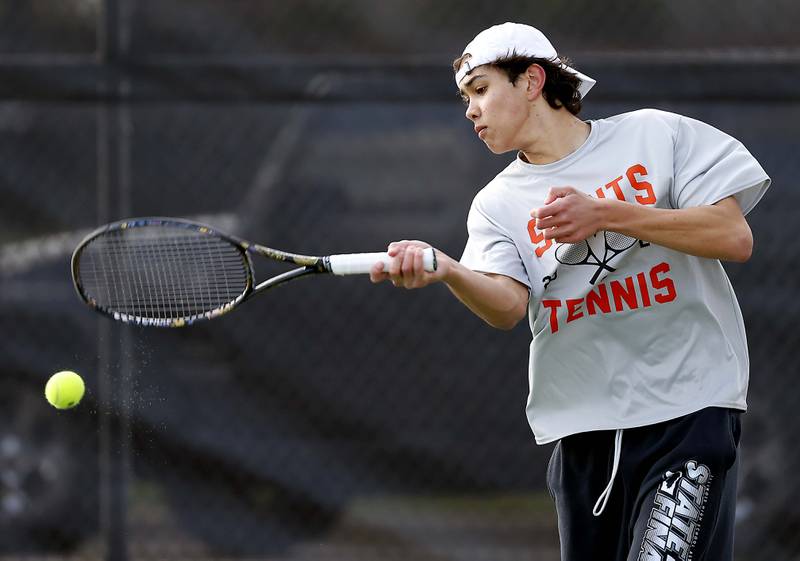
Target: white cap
503,40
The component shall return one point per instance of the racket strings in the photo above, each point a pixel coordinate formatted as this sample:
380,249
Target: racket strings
618,242
159,273
574,254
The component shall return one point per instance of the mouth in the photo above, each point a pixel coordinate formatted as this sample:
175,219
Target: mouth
479,129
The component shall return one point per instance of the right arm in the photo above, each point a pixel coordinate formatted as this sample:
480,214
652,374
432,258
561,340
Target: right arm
497,299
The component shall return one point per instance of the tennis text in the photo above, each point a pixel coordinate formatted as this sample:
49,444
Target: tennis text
641,290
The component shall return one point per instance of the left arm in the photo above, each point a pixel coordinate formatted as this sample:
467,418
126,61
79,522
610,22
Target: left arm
717,231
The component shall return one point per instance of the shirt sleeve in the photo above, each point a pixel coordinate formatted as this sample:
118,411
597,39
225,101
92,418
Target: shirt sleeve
490,249
711,165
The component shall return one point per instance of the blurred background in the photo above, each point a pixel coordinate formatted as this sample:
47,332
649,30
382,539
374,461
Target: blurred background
332,419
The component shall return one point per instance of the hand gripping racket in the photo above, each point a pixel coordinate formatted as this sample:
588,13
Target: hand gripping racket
168,272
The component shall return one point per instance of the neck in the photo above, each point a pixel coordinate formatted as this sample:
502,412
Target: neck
557,134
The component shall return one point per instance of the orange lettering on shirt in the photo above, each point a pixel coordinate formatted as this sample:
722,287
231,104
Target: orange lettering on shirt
617,189
650,197
643,289
574,309
598,297
537,237
553,305
665,283
625,294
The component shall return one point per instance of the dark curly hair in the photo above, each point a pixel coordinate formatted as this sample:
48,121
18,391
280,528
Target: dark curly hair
560,86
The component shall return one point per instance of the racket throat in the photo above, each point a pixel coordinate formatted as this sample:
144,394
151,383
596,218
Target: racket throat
288,276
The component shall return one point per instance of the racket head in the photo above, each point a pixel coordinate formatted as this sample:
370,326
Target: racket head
162,272
619,242
573,253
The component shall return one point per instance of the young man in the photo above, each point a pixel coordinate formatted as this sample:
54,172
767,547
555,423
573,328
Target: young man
609,235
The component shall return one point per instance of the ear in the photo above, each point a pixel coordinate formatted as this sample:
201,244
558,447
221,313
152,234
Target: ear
535,76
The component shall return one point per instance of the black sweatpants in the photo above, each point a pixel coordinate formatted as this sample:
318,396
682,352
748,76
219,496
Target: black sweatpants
674,495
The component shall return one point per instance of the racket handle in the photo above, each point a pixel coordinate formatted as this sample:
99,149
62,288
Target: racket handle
361,263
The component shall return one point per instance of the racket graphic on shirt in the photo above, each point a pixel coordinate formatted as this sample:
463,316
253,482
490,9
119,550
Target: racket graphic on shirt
581,253
169,272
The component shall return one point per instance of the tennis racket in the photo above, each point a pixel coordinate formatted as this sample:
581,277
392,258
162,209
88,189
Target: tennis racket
169,272
581,253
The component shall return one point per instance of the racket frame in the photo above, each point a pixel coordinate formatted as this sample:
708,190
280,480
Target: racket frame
309,265
601,264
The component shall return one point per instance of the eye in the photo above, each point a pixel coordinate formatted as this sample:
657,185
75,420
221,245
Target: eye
480,90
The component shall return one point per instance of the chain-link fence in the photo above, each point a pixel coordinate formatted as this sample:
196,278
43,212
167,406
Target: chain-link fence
333,419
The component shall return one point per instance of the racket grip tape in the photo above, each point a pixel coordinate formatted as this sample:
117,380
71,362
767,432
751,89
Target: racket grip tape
361,263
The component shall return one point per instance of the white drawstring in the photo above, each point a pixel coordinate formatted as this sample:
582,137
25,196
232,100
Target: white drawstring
603,498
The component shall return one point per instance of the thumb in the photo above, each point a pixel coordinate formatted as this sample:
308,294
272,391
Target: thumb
556,193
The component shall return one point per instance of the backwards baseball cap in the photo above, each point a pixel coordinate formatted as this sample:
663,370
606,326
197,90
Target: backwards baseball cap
509,39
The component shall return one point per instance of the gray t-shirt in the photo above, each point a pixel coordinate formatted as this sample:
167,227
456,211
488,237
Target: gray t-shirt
625,333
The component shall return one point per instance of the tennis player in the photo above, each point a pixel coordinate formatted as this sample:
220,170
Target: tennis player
609,234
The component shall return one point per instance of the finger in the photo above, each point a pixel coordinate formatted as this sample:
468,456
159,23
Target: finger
408,268
408,262
549,222
556,193
573,236
419,261
376,273
563,235
550,209
397,262
396,247
414,280
552,233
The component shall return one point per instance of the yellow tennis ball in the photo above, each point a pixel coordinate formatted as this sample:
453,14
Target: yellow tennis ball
64,389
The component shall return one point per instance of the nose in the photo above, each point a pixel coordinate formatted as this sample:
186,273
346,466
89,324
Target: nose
472,112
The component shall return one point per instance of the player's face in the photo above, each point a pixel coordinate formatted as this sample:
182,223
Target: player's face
497,108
